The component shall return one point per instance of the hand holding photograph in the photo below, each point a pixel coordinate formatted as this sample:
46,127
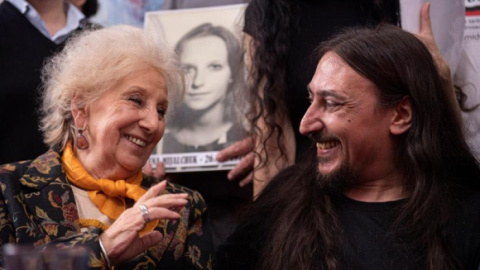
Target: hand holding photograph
210,115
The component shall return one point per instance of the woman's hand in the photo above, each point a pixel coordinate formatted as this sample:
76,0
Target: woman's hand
121,240
245,166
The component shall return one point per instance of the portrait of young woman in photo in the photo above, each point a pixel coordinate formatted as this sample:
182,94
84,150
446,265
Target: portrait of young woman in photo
207,119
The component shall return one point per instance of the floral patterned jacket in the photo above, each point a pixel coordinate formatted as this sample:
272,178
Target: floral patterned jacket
37,206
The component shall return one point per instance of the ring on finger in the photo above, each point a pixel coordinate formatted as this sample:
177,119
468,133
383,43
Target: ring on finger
144,212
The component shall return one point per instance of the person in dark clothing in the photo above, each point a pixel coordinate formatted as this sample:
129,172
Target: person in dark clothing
391,183
29,37
88,7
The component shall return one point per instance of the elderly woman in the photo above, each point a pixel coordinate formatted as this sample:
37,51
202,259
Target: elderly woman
103,109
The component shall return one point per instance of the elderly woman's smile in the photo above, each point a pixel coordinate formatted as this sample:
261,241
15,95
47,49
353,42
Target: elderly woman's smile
103,109
136,141
124,125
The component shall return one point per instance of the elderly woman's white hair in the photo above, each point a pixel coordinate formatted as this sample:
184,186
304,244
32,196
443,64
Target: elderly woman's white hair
90,65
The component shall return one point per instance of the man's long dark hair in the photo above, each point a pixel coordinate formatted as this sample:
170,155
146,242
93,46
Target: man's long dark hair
273,24
303,228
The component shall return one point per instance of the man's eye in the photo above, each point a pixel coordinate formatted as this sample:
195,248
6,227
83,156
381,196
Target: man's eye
330,103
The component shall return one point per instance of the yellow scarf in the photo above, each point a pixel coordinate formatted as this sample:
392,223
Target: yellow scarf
108,195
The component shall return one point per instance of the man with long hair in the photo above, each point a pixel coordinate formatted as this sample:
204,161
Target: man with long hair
391,183
280,38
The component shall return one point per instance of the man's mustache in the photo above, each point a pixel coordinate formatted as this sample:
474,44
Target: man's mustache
320,136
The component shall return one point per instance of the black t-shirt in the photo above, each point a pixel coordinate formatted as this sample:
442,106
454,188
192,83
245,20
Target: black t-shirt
317,22
368,242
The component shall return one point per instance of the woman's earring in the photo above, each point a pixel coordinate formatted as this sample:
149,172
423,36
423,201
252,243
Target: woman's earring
82,142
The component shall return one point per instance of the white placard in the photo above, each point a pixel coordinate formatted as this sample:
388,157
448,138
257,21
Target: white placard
448,22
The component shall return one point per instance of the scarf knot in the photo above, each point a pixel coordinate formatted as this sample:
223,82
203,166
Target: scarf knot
111,188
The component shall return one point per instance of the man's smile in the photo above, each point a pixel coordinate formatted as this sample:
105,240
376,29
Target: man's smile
327,144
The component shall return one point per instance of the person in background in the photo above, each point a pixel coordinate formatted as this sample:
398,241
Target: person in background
182,4
391,182
31,32
104,103
131,12
207,119
467,74
88,7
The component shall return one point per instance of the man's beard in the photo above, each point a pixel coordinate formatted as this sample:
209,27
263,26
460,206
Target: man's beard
338,181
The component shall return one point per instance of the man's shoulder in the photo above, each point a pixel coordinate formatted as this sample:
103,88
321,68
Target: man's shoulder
465,224
467,203
465,219
291,179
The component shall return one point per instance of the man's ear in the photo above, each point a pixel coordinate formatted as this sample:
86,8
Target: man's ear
402,117
79,114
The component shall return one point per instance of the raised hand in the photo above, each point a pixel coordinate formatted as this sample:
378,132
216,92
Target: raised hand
122,241
245,166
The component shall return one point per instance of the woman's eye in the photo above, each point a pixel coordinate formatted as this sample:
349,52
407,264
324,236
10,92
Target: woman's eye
215,67
161,112
136,100
188,69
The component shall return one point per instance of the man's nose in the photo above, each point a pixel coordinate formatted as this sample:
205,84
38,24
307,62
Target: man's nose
311,121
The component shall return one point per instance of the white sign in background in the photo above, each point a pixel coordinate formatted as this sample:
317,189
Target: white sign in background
468,72
448,22
191,161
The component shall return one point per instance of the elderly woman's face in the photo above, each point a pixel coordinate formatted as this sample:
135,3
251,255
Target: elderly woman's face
205,60
126,123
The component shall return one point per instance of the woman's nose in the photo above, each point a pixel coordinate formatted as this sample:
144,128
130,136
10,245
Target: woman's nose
149,120
198,79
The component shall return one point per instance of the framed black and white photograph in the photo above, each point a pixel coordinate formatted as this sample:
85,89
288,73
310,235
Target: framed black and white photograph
210,115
